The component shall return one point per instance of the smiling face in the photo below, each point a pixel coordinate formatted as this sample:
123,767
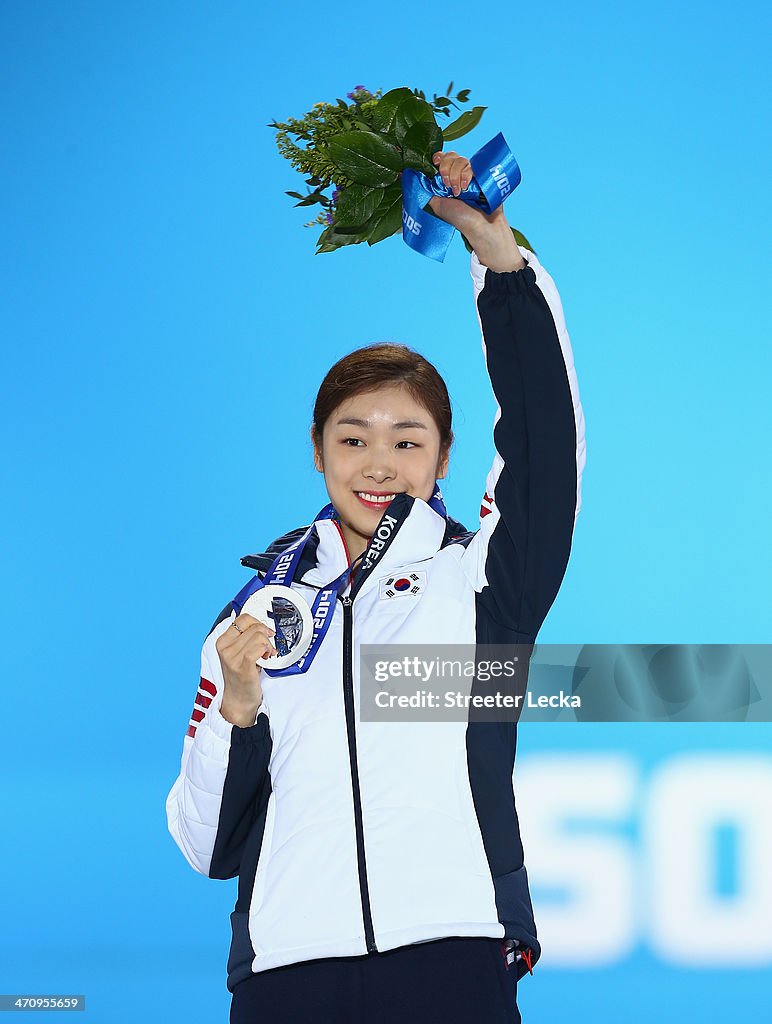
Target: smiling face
375,445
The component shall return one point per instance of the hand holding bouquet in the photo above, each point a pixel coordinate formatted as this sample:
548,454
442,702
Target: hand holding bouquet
488,233
376,155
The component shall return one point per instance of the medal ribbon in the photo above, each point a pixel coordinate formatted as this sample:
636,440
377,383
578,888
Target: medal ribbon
496,176
283,570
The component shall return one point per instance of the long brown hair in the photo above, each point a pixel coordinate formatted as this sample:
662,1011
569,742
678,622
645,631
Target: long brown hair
382,364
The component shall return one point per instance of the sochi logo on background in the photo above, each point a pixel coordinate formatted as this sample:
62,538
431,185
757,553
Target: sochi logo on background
409,585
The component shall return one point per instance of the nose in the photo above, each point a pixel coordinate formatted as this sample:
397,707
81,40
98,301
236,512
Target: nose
380,466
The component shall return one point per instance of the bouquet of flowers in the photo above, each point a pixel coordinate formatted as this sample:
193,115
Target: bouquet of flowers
360,151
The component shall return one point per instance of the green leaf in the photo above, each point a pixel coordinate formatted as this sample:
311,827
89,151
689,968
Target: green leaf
356,205
397,111
330,240
463,124
365,157
384,114
310,199
342,103
388,219
442,101
345,229
412,111
376,202
420,141
449,89
463,96
295,195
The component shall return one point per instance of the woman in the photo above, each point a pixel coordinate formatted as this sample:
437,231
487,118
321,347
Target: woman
381,873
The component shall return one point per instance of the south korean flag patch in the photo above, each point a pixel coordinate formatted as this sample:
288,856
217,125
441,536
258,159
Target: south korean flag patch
410,584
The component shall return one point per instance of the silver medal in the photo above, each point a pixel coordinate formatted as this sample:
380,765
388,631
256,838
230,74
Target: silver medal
284,610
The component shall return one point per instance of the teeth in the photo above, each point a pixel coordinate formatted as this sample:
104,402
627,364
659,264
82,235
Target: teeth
381,499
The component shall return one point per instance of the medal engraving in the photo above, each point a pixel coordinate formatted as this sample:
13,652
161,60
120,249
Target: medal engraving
284,610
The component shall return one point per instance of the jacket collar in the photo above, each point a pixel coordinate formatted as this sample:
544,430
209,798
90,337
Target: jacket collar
408,531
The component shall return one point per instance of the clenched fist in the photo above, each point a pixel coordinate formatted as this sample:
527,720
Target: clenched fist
238,648
489,234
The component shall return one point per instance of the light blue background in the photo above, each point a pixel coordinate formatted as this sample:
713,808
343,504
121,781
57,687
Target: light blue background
166,325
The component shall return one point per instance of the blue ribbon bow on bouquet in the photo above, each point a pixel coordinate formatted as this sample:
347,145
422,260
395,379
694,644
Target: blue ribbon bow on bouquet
496,175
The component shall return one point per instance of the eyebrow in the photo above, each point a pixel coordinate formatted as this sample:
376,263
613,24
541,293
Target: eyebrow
395,426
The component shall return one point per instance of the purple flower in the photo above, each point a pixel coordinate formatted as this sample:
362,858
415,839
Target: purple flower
329,218
335,194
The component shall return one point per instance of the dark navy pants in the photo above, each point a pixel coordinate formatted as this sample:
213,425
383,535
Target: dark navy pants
447,981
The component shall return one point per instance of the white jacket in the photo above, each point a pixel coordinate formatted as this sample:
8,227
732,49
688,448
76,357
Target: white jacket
352,836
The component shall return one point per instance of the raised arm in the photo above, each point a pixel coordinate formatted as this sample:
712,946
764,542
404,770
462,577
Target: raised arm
533,489
223,787
518,557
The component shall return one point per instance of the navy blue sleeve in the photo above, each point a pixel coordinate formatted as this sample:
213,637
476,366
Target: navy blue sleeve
518,557
245,796
532,491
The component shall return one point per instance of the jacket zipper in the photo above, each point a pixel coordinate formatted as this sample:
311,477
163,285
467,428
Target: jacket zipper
348,699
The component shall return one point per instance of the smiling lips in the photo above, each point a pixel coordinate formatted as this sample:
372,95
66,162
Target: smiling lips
375,499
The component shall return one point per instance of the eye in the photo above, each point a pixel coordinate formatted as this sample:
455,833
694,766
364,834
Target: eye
355,440
413,443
